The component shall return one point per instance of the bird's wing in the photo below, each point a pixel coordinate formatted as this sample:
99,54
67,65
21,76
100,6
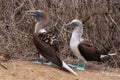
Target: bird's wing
86,42
51,39
46,50
89,52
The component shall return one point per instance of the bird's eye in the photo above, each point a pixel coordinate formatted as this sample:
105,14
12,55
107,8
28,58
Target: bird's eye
37,14
73,24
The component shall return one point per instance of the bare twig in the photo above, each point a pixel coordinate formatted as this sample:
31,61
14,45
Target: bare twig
3,66
110,17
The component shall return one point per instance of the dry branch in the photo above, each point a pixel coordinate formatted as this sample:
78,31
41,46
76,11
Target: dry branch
3,66
100,18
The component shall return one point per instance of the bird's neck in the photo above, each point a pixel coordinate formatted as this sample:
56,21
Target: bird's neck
39,26
77,33
75,38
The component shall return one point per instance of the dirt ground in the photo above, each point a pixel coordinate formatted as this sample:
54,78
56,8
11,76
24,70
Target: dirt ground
27,70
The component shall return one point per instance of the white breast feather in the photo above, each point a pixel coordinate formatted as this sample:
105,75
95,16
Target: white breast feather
42,31
75,41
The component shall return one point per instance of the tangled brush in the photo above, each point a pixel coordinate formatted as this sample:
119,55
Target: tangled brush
100,17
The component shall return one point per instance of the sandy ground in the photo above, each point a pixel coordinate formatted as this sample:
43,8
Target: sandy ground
27,70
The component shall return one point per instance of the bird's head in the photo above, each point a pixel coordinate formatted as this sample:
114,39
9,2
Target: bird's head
75,23
38,14
41,18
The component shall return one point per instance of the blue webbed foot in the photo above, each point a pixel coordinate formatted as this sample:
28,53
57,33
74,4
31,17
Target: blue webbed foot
40,61
49,63
78,67
72,65
81,68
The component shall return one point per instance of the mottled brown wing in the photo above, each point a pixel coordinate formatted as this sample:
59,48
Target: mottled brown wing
51,39
46,50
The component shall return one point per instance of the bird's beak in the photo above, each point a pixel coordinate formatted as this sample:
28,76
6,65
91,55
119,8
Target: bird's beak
68,24
31,12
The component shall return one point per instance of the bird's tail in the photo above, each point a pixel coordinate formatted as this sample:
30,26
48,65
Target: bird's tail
105,52
68,68
112,54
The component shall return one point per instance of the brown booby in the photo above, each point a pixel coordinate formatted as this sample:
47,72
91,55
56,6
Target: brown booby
82,50
45,41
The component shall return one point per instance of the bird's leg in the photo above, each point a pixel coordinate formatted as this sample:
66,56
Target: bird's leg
81,68
40,61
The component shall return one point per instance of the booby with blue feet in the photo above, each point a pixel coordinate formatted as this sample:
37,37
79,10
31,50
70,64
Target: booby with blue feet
82,50
46,41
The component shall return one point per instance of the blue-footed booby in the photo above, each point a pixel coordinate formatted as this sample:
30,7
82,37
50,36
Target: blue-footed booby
82,50
46,42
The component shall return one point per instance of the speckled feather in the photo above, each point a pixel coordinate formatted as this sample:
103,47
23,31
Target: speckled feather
51,39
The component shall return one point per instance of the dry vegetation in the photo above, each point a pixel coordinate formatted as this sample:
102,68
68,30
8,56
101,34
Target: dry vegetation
101,20
101,25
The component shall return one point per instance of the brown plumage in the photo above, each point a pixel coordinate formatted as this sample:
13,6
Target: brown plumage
89,52
82,50
51,39
46,50
45,41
